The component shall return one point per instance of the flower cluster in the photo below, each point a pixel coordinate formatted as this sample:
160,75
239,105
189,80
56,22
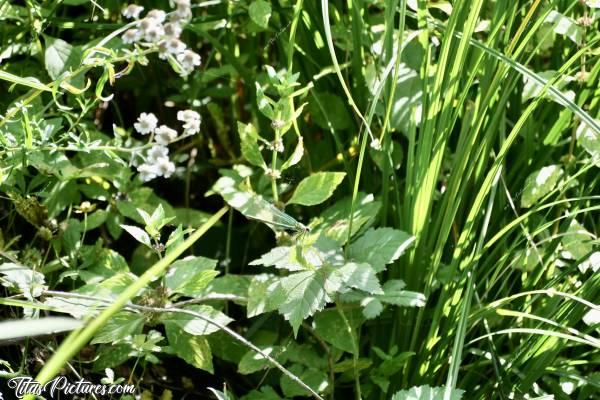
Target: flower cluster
156,160
155,29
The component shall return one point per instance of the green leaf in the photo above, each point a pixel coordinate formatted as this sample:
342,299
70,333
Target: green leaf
307,292
195,350
360,276
194,325
138,234
112,356
254,362
249,144
565,26
336,113
191,275
296,155
264,393
26,328
316,188
25,280
578,244
394,293
426,393
261,295
60,57
590,141
380,247
260,12
119,327
314,378
330,325
540,183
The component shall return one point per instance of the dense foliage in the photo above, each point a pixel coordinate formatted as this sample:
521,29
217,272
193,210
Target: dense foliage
263,199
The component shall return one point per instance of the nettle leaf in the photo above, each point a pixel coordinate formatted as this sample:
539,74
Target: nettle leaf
194,325
307,292
330,325
303,256
334,223
316,188
138,234
260,12
590,141
195,350
393,293
360,276
254,362
540,183
27,281
119,327
380,247
565,26
109,288
426,392
249,144
60,57
191,275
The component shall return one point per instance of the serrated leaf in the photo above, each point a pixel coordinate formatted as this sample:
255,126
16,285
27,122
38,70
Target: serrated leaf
119,327
426,392
191,275
194,325
577,244
394,294
316,188
360,276
590,141
379,247
540,183
264,295
249,144
260,12
307,292
138,234
253,361
195,350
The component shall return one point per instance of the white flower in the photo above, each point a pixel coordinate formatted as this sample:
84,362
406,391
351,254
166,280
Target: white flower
152,29
164,135
165,166
158,15
132,11
131,36
156,152
175,46
278,145
148,172
188,60
163,51
173,29
191,121
146,123
376,144
184,9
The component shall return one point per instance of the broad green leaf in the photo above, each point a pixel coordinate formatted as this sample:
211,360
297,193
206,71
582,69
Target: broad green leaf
590,141
565,26
579,243
330,325
264,393
307,292
142,198
25,328
27,281
540,183
296,156
109,288
260,12
336,113
138,234
112,356
191,275
60,57
262,295
194,325
253,362
360,276
380,247
249,144
394,293
195,350
119,327
426,393
315,378
316,188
